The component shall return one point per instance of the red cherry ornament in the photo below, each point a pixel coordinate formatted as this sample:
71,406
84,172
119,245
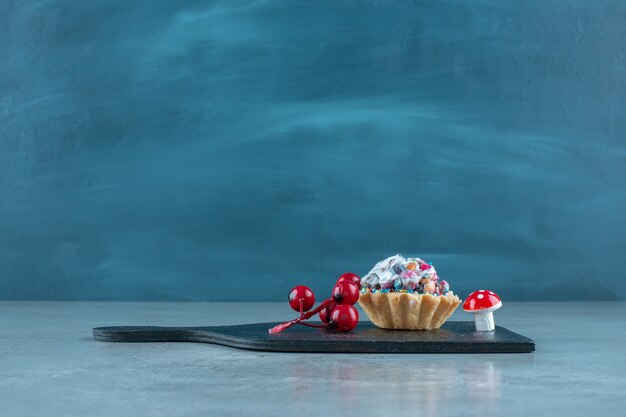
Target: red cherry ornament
346,292
336,312
349,276
301,298
325,313
344,318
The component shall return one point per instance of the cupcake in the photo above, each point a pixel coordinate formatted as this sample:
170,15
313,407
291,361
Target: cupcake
406,294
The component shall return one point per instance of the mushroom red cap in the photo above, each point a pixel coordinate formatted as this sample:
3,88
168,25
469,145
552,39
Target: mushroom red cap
481,300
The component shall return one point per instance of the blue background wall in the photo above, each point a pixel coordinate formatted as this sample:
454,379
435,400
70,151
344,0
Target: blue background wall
220,150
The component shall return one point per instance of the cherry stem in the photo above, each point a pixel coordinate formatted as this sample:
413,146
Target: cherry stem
279,328
316,326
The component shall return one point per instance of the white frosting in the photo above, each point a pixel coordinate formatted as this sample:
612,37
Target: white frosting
393,274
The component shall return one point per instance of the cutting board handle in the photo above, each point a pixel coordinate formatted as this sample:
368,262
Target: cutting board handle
142,334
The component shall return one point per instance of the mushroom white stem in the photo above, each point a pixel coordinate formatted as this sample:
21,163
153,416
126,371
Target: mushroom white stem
484,321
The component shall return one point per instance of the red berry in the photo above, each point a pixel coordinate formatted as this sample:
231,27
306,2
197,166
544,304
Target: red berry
304,294
349,276
325,313
344,318
346,292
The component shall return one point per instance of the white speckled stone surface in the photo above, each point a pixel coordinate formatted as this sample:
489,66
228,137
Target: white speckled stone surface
50,365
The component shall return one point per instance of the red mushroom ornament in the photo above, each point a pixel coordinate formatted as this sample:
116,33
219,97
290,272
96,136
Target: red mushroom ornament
482,304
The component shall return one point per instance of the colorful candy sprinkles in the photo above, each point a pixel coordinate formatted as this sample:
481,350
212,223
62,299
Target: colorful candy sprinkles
404,275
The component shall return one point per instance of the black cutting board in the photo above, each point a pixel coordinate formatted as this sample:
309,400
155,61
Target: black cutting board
452,337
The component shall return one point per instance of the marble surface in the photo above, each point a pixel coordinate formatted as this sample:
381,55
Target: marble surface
50,365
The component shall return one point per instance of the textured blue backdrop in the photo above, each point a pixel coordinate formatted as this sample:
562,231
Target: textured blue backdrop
221,150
